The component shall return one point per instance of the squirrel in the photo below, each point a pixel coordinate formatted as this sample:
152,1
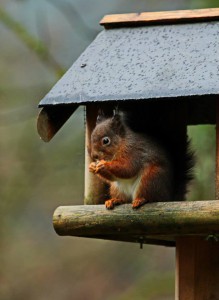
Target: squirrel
137,167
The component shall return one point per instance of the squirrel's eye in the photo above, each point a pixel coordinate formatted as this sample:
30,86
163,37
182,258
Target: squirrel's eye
106,140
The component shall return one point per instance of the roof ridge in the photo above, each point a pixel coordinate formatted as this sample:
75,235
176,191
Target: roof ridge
162,17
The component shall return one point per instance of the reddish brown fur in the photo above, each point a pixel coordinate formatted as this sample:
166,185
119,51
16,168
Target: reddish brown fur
143,193
132,157
111,203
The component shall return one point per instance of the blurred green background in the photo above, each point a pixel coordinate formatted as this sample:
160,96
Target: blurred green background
38,41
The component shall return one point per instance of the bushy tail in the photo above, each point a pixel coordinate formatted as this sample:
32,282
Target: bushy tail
183,165
164,122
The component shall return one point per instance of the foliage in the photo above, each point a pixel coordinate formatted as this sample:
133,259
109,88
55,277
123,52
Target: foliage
35,45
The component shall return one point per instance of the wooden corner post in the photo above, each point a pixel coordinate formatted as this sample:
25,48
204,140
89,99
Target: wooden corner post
197,258
95,189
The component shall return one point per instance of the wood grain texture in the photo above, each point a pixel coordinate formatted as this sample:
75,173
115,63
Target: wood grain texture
93,187
52,118
155,220
95,190
164,17
197,269
217,151
197,259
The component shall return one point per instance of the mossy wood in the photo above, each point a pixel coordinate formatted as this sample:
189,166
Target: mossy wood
157,223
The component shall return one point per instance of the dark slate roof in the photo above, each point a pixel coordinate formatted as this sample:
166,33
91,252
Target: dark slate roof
148,62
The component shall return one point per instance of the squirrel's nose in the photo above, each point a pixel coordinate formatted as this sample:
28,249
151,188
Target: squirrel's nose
94,156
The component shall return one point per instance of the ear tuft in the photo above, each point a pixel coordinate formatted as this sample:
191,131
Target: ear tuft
100,117
118,124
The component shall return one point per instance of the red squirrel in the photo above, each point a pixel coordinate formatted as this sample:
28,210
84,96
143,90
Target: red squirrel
137,167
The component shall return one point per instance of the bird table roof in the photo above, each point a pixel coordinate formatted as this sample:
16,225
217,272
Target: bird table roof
145,61
147,56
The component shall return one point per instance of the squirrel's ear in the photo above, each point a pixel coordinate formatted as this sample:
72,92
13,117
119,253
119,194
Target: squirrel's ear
101,116
118,116
116,111
118,124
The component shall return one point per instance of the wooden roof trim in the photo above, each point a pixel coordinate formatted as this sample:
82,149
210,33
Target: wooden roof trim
52,118
163,17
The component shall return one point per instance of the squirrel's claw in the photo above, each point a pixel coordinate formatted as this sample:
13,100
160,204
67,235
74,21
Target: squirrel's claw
138,202
100,166
109,204
92,167
95,167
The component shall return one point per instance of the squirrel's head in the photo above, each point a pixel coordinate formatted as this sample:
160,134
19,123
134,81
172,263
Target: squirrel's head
107,137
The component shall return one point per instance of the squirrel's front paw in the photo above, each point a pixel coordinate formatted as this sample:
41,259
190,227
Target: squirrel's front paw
100,166
92,167
96,167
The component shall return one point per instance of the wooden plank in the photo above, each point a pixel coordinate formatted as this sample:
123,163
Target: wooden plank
197,260
95,189
154,219
185,268
149,240
164,17
197,268
217,151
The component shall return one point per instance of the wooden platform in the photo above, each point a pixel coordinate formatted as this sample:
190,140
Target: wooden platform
156,223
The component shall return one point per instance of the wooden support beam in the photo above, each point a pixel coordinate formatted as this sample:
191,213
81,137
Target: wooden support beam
164,17
95,188
161,221
197,268
197,260
52,118
217,152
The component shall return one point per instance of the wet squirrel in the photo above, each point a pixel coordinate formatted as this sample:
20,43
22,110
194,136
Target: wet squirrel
137,167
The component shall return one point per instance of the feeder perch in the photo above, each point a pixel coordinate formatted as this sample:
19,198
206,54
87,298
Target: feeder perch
163,64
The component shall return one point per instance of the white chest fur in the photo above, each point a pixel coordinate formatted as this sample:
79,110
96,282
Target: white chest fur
128,187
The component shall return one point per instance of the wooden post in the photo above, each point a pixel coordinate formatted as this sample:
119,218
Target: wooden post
197,259
95,189
197,268
217,152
